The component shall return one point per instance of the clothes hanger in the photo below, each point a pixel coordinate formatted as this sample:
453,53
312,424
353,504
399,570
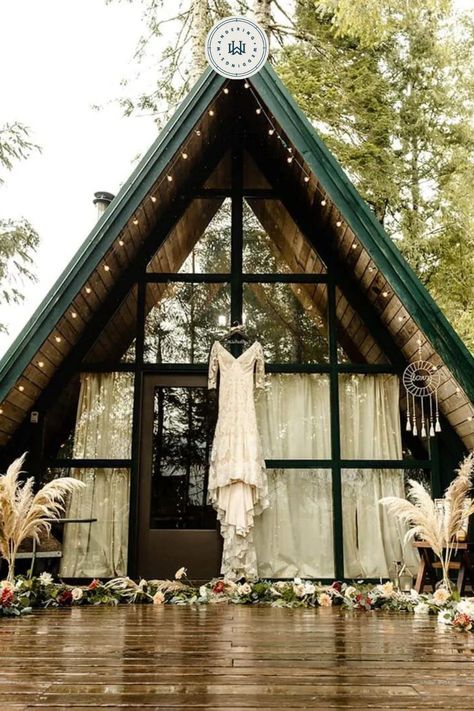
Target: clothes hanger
237,329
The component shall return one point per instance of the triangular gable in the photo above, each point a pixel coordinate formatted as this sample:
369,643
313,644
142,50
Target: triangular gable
373,244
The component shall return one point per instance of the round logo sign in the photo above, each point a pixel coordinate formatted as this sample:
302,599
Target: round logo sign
236,47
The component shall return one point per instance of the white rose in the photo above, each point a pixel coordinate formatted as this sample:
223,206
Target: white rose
386,589
45,578
350,591
298,589
297,581
245,589
441,595
309,588
77,593
180,573
203,591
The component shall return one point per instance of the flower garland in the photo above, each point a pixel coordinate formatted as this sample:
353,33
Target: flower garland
24,595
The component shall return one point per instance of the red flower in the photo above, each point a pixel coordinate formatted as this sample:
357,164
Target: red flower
463,621
93,584
6,598
219,587
64,598
337,585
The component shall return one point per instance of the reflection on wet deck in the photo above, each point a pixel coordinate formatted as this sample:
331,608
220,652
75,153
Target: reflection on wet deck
232,657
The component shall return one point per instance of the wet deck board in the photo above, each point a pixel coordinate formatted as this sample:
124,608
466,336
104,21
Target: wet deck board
232,657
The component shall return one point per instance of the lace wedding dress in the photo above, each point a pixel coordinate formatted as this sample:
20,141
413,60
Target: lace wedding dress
237,478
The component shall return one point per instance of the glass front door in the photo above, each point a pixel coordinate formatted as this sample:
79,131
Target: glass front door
176,525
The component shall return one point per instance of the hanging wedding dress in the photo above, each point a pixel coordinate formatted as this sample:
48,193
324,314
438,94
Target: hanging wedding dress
237,479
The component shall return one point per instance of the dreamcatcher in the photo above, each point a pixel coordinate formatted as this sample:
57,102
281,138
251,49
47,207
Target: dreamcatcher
421,380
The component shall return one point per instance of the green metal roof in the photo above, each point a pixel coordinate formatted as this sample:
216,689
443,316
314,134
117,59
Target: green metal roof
331,176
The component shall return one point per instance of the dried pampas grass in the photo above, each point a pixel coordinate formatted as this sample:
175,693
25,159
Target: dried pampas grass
438,526
24,514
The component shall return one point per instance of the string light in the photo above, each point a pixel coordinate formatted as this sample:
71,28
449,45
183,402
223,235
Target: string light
152,198
73,314
41,363
121,242
385,293
184,156
1,410
226,90
21,388
338,223
169,178
106,268
271,131
258,111
211,112
247,85
58,339
197,132
323,202
306,178
289,159
135,221
88,290
354,246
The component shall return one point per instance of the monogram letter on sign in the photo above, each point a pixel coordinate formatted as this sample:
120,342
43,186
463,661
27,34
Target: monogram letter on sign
421,380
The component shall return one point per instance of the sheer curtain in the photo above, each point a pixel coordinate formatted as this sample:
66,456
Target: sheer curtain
294,536
103,431
370,429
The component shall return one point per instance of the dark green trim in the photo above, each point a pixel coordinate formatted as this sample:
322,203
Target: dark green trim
237,229
89,463
363,222
337,513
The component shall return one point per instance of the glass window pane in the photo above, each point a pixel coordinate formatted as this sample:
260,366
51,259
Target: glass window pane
273,243
104,420
294,416
183,320
355,343
183,428
294,536
369,413
116,342
373,537
98,548
200,242
289,320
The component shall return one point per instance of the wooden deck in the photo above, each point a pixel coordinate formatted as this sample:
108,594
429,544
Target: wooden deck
231,657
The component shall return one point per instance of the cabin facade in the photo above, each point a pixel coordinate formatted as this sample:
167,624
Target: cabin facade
238,213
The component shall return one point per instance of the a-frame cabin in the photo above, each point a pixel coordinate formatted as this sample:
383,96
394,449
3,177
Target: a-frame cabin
237,212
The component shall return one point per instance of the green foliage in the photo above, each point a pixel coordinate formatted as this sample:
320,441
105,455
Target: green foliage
18,239
397,114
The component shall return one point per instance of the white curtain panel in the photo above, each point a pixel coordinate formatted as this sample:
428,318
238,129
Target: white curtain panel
103,431
294,536
370,429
